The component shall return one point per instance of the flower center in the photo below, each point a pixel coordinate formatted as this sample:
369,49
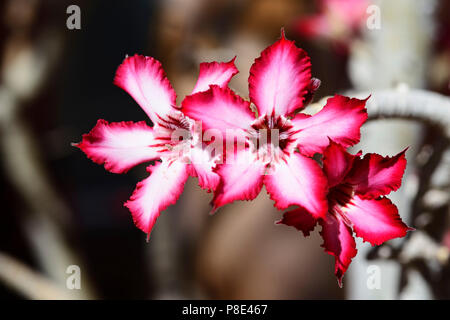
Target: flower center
271,136
338,197
176,134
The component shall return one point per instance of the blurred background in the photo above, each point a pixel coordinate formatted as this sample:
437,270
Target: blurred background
60,209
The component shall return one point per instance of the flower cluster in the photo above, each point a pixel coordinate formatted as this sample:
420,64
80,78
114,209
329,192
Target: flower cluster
235,147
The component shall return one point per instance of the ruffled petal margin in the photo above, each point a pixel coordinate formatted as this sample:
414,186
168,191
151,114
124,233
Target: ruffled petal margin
280,78
155,193
375,220
338,242
298,181
145,80
375,175
215,73
340,120
119,146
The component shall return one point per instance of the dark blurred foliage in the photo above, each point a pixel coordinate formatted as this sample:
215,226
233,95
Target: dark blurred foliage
79,92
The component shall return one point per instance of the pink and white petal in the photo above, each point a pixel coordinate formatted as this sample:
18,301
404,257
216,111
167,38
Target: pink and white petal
155,193
375,175
215,73
337,162
340,120
375,220
119,146
201,166
241,179
338,242
218,108
298,181
145,80
300,219
279,78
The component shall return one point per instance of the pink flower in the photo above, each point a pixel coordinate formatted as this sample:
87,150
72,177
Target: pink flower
337,20
121,146
355,203
279,83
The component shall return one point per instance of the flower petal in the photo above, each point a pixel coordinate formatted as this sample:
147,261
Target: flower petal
145,80
300,219
338,242
375,175
215,73
298,181
119,146
241,179
218,108
202,166
340,120
337,162
279,78
375,220
155,193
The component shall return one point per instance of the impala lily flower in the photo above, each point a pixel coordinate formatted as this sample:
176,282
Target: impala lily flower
355,203
279,83
121,146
